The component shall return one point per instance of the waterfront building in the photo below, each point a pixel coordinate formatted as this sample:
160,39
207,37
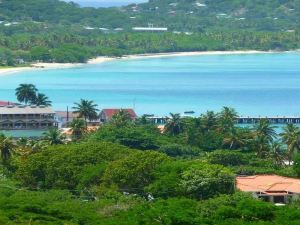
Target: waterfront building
107,114
20,117
65,117
6,103
271,188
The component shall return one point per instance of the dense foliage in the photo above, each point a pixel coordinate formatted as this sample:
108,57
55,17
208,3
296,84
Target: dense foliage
129,172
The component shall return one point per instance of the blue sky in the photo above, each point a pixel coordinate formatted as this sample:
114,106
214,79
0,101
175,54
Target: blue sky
106,2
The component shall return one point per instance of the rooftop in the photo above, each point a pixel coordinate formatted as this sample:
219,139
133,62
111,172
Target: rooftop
6,103
111,112
268,184
13,109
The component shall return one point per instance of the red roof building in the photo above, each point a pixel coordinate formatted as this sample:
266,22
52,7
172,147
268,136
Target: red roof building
107,114
271,188
6,103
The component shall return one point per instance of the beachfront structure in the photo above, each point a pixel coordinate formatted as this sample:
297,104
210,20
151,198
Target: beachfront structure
150,29
13,117
65,117
107,114
271,188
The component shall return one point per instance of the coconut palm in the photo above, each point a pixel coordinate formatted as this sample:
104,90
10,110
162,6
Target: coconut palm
122,118
264,134
291,137
54,137
235,139
227,119
78,127
26,93
7,148
208,121
86,110
277,154
174,125
41,99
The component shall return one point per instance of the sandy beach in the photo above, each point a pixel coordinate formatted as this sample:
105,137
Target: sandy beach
102,59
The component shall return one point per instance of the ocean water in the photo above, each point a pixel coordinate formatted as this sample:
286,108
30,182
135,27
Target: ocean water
255,84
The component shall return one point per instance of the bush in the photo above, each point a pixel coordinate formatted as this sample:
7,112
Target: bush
176,150
65,166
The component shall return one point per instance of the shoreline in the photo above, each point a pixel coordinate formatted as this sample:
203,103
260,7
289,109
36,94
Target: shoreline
103,59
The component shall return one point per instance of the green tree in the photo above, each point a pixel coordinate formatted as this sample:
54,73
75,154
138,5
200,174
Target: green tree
205,180
78,127
135,171
41,99
7,147
227,119
86,110
174,125
208,121
264,134
121,119
26,93
291,137
54,137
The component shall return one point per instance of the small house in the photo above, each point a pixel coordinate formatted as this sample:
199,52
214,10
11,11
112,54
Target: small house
107,114
271,188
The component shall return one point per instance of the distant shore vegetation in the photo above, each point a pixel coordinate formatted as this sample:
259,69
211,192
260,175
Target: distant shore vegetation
56,31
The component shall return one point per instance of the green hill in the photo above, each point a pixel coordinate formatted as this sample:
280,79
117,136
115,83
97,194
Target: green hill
181,15
56,31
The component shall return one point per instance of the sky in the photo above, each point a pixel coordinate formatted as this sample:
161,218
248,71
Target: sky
105,3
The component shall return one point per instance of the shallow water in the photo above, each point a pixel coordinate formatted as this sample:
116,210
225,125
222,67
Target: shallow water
256,84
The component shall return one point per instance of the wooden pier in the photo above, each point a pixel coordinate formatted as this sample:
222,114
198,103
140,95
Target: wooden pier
272,120
242,120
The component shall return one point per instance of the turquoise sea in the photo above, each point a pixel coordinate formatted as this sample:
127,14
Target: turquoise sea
256,84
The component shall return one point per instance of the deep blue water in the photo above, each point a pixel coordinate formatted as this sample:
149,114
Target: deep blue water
256,84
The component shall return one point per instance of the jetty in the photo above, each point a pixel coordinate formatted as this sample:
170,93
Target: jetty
272,119
240,120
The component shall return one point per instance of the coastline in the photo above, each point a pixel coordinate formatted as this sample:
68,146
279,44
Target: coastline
103,59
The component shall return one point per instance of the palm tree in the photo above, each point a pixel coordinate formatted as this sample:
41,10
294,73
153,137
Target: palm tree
121,119
277,154
264,134
227,119
86,110
291,137
235,139
174,125
54,137
41,99
78,128
26,93
7,147
208,121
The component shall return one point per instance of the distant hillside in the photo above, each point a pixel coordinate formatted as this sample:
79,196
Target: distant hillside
56,31
177,15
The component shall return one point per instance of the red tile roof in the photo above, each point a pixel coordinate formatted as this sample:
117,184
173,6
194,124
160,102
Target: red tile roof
6,103
109,113
268,184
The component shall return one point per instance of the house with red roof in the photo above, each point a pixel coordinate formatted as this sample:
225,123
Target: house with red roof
6,103
271,188
107,114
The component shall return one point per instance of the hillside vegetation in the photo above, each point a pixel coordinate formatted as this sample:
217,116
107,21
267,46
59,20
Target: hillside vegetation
56,31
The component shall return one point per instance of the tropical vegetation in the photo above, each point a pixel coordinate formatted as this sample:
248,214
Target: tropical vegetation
130,172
